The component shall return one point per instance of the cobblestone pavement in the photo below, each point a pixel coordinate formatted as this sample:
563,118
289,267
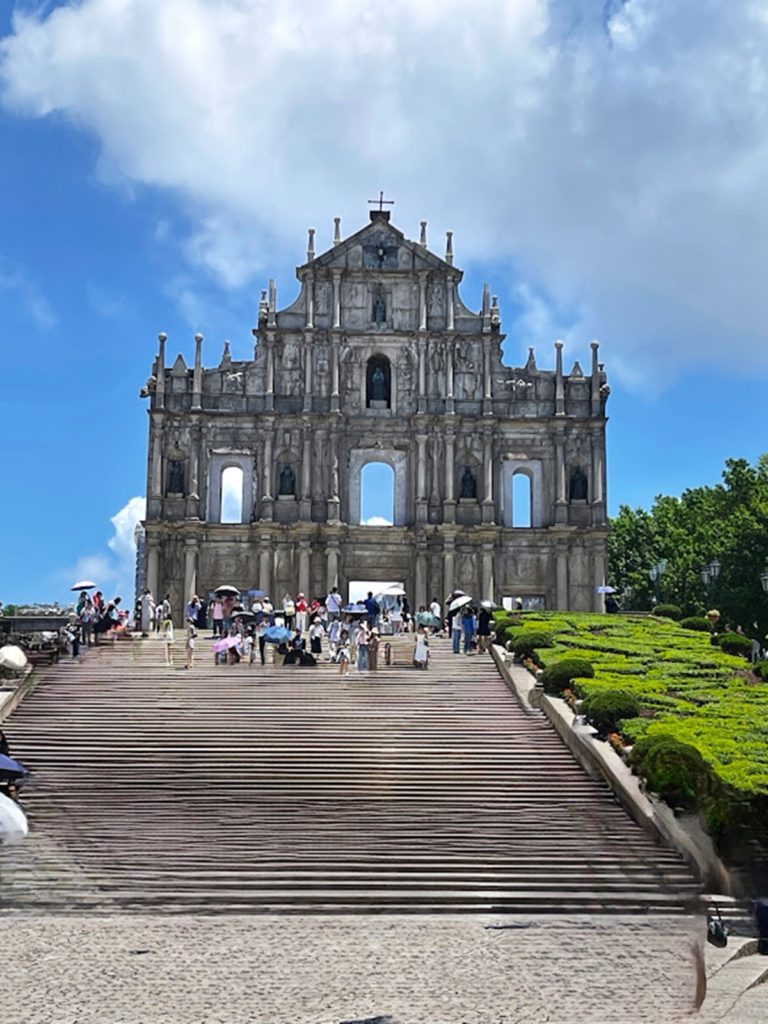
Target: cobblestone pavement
165,969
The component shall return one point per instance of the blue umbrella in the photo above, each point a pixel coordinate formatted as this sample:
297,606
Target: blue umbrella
8,766
355,609
277,634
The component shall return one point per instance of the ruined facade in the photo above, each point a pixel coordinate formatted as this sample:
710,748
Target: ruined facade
499,472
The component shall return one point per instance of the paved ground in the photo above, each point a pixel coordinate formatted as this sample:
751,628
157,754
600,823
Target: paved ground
162,969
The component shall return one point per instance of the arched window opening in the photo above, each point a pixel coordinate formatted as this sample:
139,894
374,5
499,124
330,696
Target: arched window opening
377,494
231,495
378,383
522,500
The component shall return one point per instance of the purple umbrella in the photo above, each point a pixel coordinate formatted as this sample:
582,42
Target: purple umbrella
226,643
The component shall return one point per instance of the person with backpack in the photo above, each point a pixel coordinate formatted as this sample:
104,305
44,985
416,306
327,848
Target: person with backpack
372,608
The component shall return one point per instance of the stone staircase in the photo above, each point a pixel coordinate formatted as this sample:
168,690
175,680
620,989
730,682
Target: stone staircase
244,789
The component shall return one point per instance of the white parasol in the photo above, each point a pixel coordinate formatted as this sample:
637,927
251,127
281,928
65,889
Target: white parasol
13,821
83,585
459,602
227,589
12,657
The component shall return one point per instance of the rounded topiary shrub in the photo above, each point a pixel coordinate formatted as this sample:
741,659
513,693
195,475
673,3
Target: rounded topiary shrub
696,622
674,770
523,642
736,643
668,611
606,708
558,676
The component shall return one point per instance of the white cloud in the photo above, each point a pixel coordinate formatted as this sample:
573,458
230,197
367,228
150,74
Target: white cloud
113,572
377,521
14,279
614,153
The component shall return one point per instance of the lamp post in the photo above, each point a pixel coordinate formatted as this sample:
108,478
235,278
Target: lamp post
656,572
764,580
709,576
627,597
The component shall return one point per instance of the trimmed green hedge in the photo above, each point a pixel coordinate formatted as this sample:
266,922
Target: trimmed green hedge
674,770
736,643
697,623
668,611
694,694
607,709
524,642
559,675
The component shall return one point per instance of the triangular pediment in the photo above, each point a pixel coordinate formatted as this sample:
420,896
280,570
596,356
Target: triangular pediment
179,368
380,246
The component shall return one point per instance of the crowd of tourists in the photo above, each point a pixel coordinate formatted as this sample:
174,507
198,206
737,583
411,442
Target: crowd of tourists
306,630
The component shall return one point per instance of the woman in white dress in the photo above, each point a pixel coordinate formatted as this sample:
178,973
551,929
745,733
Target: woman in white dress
421,649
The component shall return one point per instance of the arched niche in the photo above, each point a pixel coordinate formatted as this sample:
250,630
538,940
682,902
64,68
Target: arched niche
377,493
531,468
219,462
378,383
231,505
398,460
286,475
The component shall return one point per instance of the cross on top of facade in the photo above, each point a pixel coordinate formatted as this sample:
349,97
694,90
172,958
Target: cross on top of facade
382,201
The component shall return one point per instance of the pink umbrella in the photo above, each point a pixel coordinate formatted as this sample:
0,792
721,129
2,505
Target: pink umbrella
226,643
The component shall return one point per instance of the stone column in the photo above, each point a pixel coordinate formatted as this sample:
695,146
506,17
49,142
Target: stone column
598,600
422,300
561,497
265,562
597,492
270,398
334,501
304,586
487,585
309,284
160,383
331,566
422,396
421,573
449,564
267,498
335,374
449,377
197,373
449,504
562,578
190,569
336,299
193,496
421,478
305,503
307,405
449,304
487,392
153,567
156,475
489,505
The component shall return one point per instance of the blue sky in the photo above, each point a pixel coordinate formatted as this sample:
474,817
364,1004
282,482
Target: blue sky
155,174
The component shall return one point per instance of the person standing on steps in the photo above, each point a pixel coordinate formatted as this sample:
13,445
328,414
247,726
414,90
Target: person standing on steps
191,635
147,612
484,630
421,649
455,619
469,628
373,650
168,641
361,641
333,604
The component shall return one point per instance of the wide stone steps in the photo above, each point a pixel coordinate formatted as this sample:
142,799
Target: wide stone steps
247,788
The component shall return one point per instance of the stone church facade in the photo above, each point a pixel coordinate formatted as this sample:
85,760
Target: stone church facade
499,472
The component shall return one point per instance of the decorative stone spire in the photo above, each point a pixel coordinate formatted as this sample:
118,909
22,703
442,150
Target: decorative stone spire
160,371
263,306
595,381
559,387
486,307
226,356
310,245
495,313
577,370
272,304
197,375
531,361
449,248
337,230
423,235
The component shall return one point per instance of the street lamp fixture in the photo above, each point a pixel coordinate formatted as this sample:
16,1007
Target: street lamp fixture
709,576
764,580
655,573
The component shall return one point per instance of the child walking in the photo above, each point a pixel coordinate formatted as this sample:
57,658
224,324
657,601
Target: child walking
191,634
